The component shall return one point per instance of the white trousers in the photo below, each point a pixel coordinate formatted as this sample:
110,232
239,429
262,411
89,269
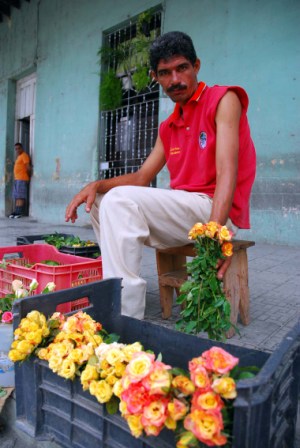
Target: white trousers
130,217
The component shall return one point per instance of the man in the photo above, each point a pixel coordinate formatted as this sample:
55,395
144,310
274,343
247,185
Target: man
208,150
22,172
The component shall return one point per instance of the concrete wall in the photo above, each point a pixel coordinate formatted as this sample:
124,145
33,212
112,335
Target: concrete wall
252,43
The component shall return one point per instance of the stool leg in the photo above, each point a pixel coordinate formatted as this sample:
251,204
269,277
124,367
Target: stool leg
167,263
231,289
244,288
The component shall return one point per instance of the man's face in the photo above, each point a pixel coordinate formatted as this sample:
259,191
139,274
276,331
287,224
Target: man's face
178,78
18,149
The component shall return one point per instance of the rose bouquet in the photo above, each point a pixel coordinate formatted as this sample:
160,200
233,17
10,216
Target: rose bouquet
205,307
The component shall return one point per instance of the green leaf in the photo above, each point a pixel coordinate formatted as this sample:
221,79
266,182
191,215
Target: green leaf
3,392
112,406
159,357
245,375
177,371
110,338
191,326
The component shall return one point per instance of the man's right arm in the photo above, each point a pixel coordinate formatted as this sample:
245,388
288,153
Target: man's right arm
150,168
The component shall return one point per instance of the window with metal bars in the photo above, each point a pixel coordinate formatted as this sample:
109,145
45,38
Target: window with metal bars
128,131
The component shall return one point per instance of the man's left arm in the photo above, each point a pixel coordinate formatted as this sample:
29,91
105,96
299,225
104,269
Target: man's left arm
27,163
227,151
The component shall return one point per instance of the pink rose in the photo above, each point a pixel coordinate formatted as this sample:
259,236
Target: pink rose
7,317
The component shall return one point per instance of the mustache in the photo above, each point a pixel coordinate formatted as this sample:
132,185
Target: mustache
176,87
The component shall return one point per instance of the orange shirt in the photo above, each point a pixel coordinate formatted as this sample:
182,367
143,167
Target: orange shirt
20,170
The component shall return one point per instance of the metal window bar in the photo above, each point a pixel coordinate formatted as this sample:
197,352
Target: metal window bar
127,134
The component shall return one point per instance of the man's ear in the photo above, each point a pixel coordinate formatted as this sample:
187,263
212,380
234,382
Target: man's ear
197,65
153,75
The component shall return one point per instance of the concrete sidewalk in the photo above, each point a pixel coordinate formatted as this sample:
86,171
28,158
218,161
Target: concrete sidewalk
274,281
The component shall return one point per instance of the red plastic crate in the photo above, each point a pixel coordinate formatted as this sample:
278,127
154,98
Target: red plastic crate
73,270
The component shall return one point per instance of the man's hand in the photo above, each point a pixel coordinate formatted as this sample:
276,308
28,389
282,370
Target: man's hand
222,266
86,195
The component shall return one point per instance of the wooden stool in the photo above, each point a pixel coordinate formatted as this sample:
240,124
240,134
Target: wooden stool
172,274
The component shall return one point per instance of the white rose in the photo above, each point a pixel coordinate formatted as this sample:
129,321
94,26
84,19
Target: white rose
17,284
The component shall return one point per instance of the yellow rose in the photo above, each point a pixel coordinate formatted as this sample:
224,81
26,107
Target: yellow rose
54,363
120,369
140,366
43,353
67,369
118,389
170,423
34,336
130,349
25,347
111,379
90,373
135,425
114,355
34,316
103,391
45,331
14,355
123,408
30,326
17,333
104,365
224,234
76,355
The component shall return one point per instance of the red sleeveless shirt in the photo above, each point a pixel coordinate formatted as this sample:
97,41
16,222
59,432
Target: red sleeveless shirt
189,141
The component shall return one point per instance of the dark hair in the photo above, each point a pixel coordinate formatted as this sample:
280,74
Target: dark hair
172,44
19,144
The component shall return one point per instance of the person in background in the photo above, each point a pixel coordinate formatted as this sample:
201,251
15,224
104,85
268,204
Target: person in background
22,173
207,147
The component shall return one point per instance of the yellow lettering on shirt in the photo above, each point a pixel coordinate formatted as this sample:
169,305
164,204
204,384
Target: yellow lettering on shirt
174,151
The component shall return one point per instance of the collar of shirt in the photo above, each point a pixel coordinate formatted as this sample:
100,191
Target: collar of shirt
176,115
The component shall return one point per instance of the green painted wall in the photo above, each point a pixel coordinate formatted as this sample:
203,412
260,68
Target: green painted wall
252,43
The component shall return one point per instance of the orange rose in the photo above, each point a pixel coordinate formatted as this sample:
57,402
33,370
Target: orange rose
211,229
225,386
218,360
197,230
177,409
183,384
200,378
227,249
206,426
207,401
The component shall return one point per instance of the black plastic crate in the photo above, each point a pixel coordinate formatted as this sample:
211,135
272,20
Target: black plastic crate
49,407
86,251
32,239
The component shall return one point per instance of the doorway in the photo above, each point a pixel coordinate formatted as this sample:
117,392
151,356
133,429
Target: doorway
25,119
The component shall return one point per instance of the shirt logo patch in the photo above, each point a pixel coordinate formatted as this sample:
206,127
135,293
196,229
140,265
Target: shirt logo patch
202,139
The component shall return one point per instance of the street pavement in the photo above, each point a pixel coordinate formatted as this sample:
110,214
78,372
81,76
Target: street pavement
274,283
